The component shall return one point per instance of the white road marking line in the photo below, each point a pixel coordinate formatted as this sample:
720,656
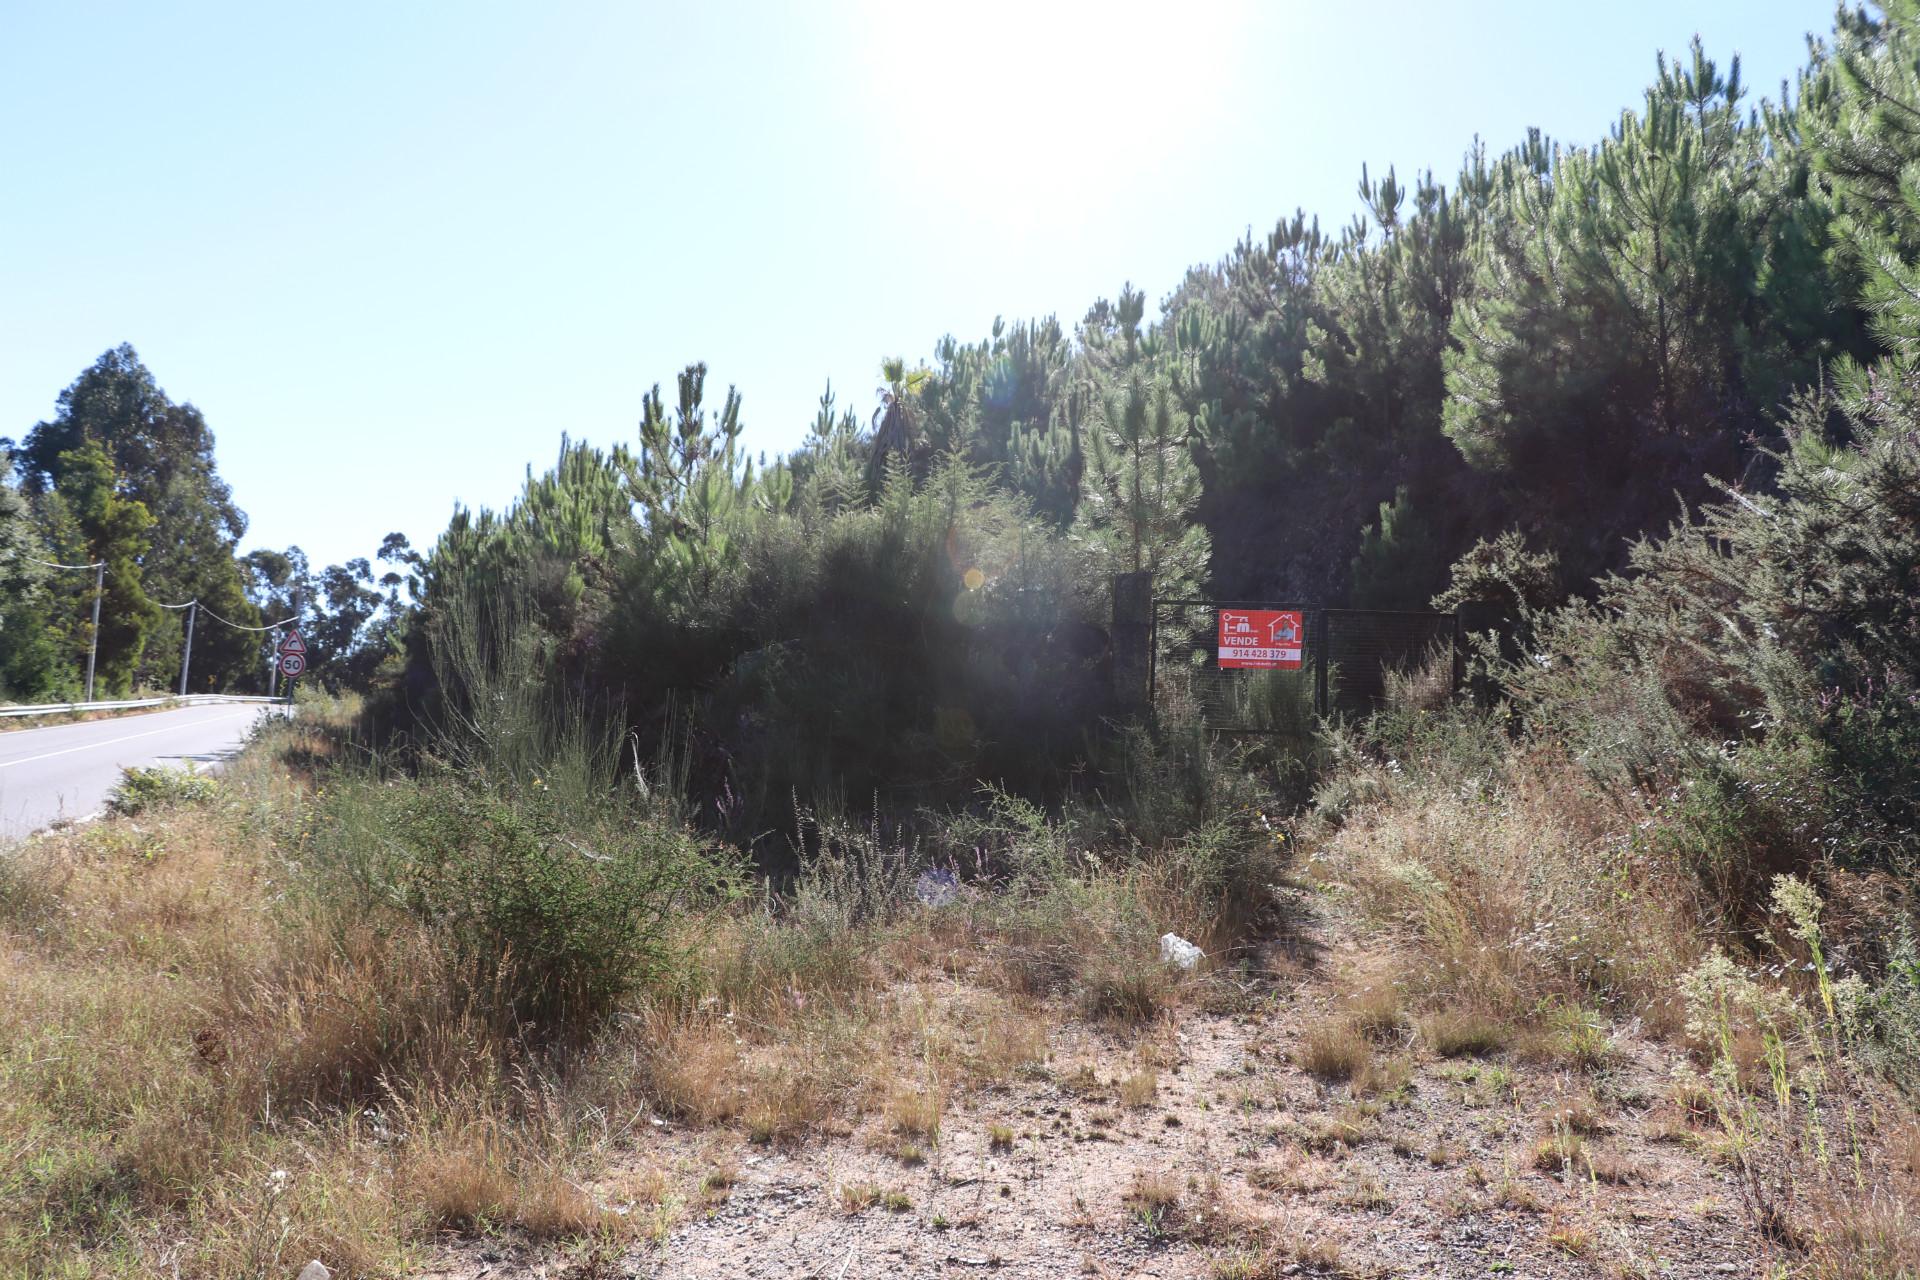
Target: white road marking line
88,746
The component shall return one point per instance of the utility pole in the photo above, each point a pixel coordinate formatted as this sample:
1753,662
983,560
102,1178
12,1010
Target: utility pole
93,648
187,657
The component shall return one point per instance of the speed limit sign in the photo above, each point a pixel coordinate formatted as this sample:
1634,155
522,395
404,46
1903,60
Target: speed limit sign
292,664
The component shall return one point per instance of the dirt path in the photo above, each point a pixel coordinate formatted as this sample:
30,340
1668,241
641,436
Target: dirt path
1203,1150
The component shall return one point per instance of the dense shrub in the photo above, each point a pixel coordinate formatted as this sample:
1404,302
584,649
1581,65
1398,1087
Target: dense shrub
142,789
521,830
555,914
904,651
1769,652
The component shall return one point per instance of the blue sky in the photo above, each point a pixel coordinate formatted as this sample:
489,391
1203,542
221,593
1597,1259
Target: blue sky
393,251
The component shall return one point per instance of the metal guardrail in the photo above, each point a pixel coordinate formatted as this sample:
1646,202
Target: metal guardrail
135,704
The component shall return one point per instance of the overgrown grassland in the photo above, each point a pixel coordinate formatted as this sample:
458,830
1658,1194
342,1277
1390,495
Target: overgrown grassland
320,1011
1541,910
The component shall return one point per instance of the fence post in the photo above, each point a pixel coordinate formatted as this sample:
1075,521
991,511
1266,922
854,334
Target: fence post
1319,642
1132,639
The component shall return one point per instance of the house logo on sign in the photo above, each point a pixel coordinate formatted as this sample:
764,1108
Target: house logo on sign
1261,639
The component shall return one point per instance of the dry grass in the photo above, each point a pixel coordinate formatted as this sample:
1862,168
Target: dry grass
1510,1193
717,1183
1010,1041
195,1047
1559,1152
1294,1172
1461,1033
1373,1005
1569,1035
1154,1188
1139,1088
160,1007
336,1047
1364,1191
1280,1250
1538,866
1876,1234
1570,1238
916,1113
855,1197
1388,1077
1692,1096
1525,898
698,1071
1576,1115
1903,1147
1614,1167
1334,1048
1348,1127
470,1182
321,1062
1127,991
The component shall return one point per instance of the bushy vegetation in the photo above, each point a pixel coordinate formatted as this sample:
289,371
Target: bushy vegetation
687,761
1699,781
401,1000
1513,374
142,789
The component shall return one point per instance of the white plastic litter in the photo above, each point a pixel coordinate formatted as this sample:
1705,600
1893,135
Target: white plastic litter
1175,949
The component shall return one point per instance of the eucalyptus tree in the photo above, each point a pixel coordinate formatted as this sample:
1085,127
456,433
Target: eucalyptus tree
92,522
31,663
162,456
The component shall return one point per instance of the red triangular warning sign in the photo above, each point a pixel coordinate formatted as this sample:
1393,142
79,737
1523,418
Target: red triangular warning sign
292,643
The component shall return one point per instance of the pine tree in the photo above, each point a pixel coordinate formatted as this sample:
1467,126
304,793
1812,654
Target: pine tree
1615,347
686,484
828,474
1141,489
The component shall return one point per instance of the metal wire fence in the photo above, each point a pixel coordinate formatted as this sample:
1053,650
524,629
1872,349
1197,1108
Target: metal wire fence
1347,657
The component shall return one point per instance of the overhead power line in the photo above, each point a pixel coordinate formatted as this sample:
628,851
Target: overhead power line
99,568
271,626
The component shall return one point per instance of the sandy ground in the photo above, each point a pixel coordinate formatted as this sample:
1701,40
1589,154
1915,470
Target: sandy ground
1240,1165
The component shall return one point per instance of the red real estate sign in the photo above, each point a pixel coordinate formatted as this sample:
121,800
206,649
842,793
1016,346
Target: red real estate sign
1264,639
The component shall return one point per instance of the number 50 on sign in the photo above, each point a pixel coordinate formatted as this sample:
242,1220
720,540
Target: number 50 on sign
1262,639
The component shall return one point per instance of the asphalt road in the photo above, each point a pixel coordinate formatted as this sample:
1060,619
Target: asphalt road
66,771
